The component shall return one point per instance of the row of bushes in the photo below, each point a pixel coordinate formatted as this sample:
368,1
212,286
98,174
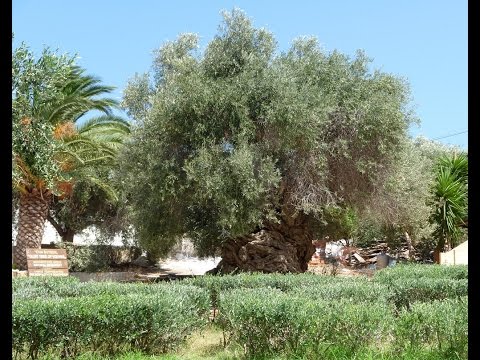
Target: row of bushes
286,282
401,294
265,314
415,271
402,291
31,288
291,281
271,322
108,323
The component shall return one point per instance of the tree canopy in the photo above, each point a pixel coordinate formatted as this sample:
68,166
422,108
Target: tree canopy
234,137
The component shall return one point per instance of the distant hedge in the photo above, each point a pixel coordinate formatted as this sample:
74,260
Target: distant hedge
283,282
415,271
401,291
31,288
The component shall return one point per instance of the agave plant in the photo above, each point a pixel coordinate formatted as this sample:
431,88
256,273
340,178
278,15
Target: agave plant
451,199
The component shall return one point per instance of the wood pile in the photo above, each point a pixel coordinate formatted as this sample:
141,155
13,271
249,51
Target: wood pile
359,257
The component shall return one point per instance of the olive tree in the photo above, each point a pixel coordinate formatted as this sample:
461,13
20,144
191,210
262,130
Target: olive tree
241,147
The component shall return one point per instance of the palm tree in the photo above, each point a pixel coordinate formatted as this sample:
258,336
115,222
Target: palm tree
71,215
451,200
49,150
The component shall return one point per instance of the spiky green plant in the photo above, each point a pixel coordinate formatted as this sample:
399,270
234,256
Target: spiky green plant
451,199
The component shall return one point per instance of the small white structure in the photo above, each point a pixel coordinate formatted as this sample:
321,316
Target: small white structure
456,256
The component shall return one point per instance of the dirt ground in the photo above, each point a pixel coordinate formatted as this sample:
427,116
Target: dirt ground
195,266
340,270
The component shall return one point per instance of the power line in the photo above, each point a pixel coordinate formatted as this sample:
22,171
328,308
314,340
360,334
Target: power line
443,137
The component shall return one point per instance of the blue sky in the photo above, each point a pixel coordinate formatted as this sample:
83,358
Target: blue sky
422,41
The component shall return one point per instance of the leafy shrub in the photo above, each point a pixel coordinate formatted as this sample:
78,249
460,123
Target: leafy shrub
406,291
67,287
42,286
415,271
352,290
107,323
98,257
408,309
283,282
367,232
441,324
268,322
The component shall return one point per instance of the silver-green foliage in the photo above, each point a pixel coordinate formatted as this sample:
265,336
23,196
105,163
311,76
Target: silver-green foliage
440,324
398,288
417,271
410,309
227,137
107,321
404,203
267,322
50,287
282,323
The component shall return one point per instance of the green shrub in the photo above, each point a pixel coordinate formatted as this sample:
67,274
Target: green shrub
367,232
267,322
283,282
270,322
349,290
415,271
405,291
98,257
441,324
108,323
408,309
67,287
42,286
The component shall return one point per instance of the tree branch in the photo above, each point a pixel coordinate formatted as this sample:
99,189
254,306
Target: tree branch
56,225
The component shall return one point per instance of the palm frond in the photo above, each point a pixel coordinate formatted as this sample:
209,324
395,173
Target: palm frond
81,148
105,124
106,188
451,195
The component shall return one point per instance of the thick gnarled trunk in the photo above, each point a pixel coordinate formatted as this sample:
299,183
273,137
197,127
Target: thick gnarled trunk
284,248
33,212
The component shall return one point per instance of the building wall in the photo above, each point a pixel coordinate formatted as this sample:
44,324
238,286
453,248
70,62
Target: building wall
50,235
456,256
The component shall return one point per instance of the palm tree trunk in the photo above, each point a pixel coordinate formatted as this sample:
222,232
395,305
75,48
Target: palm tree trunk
33,212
